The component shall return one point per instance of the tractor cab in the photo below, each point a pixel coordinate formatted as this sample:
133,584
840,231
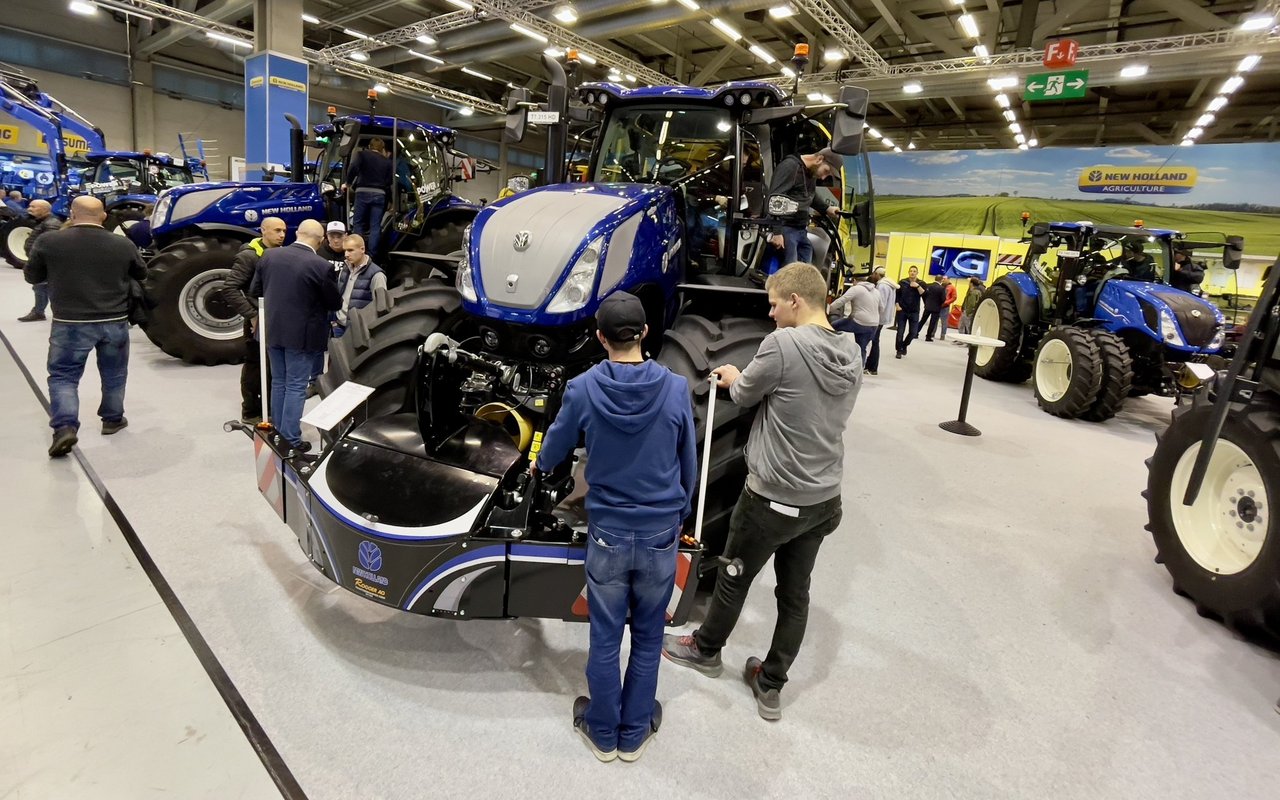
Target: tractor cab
113,174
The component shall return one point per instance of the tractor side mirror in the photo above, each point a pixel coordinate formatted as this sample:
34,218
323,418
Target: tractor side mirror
862,222
1233,252
846,132
1040,237
517,115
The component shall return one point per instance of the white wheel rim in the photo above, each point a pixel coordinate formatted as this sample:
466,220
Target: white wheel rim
1224,530
1053,370
193,307
986,322
18,243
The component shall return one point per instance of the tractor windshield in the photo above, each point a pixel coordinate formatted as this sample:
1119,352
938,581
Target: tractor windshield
420,166
651,144
130,175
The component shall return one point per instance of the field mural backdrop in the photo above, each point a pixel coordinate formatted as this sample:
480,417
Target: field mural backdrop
1228,188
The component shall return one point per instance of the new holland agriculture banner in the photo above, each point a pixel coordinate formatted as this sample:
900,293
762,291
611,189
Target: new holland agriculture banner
1229,188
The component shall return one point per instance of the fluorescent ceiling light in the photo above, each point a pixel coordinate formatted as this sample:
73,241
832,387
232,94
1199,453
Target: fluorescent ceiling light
566,14
473,72
1134,71
1023,146
957,2
305,18
358,55
466,111
1006,82
1217,103
725,28
782,12
631,78
1258,22
83,7
432,59
897,149
1248,63
231,40
911,145
873,133
1020,139
969,24
356,34
463,4
789,72
427,38
586,59
886,141
532,34
381,88
1233,83
1002,100
1205,120
692,5
833,54
615,76
1009,115
1015,127
1187,143
981,51
913,87
1033,142
554,52
1194,133
762,54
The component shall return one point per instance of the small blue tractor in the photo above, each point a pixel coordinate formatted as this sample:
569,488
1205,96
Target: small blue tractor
1091,317
196,230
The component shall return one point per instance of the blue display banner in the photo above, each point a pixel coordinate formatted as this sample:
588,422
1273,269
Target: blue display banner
275,85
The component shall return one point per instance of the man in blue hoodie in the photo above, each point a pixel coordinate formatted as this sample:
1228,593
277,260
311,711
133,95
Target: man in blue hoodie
642,467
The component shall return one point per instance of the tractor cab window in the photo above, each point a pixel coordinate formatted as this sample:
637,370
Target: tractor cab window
659,144
421,171
124,173
167,176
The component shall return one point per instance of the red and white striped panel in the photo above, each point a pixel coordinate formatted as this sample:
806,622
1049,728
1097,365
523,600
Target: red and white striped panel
1010,260
269,484
684,566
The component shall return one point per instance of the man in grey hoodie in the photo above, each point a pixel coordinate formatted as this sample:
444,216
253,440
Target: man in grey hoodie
806,376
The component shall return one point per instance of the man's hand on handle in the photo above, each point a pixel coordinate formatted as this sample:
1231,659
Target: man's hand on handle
777,241
726,375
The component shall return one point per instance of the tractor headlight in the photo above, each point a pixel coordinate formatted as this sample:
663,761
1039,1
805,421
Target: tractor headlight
1169,329
466,279
1219,339
160,215
576,290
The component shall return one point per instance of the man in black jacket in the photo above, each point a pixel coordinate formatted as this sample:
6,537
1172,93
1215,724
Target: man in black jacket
46,222
298,287
88,271
908,318
935,297
1186,274
333,249
370,175
243,267
792,193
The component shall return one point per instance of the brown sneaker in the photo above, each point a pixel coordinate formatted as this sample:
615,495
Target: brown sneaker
32,316
63,440
109,427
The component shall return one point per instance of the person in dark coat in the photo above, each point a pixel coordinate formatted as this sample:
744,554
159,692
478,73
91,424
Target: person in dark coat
370,175
357,282
299,290
46,222
234,293
792,193
335,233
907,321
1186,274
935,295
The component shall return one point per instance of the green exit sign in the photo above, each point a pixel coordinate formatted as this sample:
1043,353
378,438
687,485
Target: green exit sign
1066,85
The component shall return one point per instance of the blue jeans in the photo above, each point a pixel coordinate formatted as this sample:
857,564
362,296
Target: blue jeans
290,372
367,218
626,571
42,297
69,347
908,323
796,242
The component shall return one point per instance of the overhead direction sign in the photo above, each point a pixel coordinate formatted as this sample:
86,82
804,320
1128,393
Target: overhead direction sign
1061,53
1066,85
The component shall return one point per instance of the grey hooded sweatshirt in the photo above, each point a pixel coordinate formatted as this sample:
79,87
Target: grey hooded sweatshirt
806,381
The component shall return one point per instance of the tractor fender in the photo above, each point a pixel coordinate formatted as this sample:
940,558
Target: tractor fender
1026,295
221,230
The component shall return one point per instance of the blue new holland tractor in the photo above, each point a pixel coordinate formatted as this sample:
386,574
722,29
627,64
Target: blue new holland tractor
428,505
1092,319
198,229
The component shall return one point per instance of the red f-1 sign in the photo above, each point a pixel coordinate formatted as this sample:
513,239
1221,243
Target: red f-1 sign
1061,53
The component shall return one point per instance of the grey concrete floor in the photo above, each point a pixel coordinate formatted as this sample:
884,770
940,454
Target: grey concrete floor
987,622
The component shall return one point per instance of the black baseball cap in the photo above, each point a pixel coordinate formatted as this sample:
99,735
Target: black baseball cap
621,317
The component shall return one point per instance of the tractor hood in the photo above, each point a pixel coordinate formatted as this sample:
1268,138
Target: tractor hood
554,252
1180,319
236,205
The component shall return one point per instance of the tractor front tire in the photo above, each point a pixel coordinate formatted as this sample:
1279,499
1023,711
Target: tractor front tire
381,343
1117,376
691,348
997,318
1223,551
1068,372
190,320
13,240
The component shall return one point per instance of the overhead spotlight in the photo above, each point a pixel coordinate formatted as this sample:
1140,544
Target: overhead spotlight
783,11
1233,83
1205,120
305,18
981,51
692,5
358,55
462,4
1217,103
912,87
1134,71
1005,82
969,25
1258,22
727,29
1033,142
466,111
381,88
430,58
1248,63
833,54
911,145
427,39
1009,115
83,7
532,34
1002,100
566,13
788,71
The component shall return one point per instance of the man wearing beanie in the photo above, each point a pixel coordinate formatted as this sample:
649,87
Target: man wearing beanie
641,471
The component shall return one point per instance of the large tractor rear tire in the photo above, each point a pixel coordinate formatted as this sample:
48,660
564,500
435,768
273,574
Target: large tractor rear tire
1068,372
692,347
380,346
443,240
1117,376
997,318
191,321
1223,551
13,240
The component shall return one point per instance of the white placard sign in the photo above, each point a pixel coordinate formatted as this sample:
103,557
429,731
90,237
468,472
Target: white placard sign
338,406
544,117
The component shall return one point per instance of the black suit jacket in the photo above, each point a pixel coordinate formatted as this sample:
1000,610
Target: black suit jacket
300,292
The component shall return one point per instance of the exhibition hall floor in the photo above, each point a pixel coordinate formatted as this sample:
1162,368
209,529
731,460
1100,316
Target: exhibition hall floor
987,622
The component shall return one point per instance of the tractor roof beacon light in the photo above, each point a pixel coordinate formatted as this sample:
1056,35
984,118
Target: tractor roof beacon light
799,60
372,96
